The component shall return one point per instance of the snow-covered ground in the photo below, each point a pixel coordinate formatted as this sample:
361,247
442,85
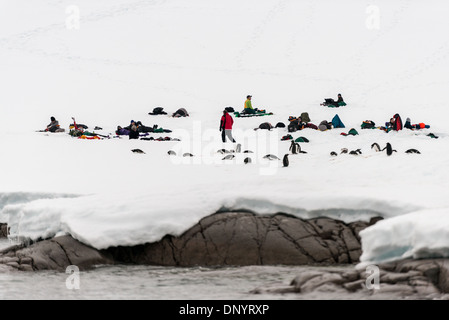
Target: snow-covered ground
110,61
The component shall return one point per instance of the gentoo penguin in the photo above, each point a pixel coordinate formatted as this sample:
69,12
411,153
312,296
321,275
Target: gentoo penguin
271,157
229,157
412,151
375,146
285,161
389,149
171,153
333,153
137,151
294,147
247,160
187,154
238,149
344,150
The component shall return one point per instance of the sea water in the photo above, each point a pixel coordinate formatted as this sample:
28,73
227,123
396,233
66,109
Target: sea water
140,282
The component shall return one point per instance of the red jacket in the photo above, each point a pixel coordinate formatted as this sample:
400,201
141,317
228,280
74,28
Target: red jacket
226,122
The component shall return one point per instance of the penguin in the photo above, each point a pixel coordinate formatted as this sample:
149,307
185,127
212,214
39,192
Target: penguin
271,157
375,146
248,151
137,151
247,160
412,151
344,150
187,154
389,149
354,152
229,157
285,161
171,153
222,151
299,149
333,153
238,149
294,147
358,151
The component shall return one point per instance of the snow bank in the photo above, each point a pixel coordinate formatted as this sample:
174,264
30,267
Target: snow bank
421,234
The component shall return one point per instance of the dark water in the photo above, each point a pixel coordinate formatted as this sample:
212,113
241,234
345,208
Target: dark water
148,282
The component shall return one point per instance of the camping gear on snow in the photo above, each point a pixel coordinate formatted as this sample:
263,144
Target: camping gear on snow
351,132
311,126
157,111
324,125
305,117
336,122
302,139
265,125
368,124
287,137
280,125
257,113
181,112
294,125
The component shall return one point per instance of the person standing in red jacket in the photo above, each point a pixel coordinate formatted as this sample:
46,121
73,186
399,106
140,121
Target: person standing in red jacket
226,126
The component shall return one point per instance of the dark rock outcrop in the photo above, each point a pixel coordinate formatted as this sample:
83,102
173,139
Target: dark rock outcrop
55,254
405,279
3,230
242,238
222,239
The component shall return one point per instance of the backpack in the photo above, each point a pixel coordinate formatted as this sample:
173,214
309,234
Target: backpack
265,125
293,126
305,117
280,125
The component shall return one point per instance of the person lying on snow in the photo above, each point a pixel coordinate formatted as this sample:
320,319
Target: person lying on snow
78,131
140,128
121,131
53,126
332,103
417,126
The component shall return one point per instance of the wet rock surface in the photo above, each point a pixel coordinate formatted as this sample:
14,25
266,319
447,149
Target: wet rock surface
405,279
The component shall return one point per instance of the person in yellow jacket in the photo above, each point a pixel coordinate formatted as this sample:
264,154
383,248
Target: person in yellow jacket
248,108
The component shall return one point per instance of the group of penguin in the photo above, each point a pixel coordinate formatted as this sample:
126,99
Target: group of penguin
295,148
375,146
